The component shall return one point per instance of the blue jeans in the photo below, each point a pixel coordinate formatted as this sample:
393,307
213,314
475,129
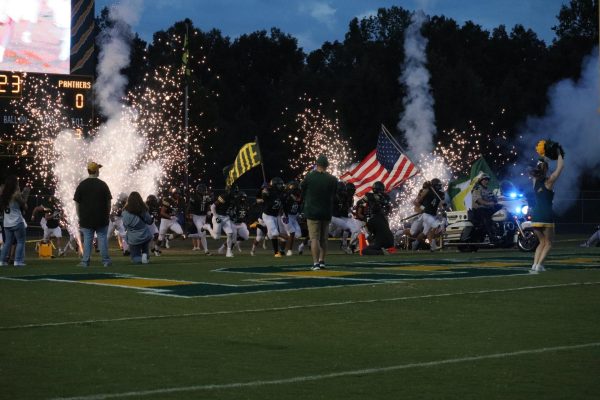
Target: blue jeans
88,238
12,233
136,251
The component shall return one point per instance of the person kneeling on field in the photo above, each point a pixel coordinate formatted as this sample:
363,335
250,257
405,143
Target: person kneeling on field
136,219
380,236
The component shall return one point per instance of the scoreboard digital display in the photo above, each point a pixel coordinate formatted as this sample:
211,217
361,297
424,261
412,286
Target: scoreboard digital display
72,93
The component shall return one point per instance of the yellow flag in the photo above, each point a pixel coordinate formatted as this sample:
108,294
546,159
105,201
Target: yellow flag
248,157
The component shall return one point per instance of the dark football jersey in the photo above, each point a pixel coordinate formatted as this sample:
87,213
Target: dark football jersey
291,204
431,202
224,204
52,216
171,205
200,204
241,212
154,211
272,201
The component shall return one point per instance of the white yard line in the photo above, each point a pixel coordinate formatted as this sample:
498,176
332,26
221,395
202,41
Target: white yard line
340,374
297,307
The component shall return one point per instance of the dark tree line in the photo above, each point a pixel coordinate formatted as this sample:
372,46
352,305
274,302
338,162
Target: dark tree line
251,85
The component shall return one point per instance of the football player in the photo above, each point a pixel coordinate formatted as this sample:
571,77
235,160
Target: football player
292,201
239,216
429,201
154,210
168,215
115,224
341,223
272,197
221,210
50,222
261,228
199,210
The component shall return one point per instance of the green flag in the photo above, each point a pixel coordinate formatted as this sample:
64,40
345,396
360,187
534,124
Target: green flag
248,157
460,189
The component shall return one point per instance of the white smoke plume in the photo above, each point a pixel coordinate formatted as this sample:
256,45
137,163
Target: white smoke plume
118,145
114,56
572,119
418,119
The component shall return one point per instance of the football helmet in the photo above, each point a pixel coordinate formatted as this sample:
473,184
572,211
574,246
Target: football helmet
277,183
378,187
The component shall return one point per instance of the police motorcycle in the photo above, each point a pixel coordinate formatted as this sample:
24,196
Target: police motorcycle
511,226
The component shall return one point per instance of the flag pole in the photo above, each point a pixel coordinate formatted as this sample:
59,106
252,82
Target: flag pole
262,160
399,148
186,116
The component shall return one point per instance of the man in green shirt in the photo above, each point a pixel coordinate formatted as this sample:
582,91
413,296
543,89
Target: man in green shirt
318,193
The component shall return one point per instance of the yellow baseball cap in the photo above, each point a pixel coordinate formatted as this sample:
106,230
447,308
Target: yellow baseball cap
93,166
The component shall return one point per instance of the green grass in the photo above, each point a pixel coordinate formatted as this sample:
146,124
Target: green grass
415,339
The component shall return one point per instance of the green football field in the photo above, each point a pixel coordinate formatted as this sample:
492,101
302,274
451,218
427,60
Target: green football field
422,325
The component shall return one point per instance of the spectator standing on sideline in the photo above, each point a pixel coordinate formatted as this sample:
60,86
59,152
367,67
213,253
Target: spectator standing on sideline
318,191
13,202
92,201
136,220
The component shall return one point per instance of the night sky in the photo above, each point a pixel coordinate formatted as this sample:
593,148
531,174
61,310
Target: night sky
313,22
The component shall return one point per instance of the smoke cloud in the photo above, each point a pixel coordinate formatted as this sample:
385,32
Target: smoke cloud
573,119
118,145
418,119
114,56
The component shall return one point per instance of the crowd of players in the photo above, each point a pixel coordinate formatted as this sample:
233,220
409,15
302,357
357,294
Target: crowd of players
276,215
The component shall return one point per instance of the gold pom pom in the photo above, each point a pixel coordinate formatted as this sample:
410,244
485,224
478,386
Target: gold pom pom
541,148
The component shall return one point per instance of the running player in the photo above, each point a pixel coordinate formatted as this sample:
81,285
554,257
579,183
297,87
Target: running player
272,197
199,209
168,215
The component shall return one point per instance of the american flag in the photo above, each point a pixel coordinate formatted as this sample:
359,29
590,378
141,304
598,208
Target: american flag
386,164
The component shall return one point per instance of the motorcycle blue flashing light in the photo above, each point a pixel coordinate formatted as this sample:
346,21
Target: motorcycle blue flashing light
512,195
525,210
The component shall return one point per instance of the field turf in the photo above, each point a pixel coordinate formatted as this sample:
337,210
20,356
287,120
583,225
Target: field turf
440,325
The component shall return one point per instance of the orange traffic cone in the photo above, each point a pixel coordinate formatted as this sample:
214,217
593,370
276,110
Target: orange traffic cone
362,243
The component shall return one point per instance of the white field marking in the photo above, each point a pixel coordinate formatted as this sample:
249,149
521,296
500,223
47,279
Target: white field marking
340,374
287,308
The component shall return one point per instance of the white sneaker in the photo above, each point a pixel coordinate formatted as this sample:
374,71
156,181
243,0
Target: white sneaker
252,251
145,258
289,253
61,253
584,244
533,268
347,250
195,248
167,246
300,248
239,248
540,268
221,249
264,244
229,253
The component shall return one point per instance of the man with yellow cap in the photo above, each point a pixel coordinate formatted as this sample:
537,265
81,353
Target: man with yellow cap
92,201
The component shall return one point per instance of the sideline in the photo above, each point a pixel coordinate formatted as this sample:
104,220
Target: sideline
309,378
287,308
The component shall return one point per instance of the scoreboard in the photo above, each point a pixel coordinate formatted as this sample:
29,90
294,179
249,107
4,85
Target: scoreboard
46,64
72,94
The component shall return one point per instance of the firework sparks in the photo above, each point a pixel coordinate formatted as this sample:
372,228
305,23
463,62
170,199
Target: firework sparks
315,133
